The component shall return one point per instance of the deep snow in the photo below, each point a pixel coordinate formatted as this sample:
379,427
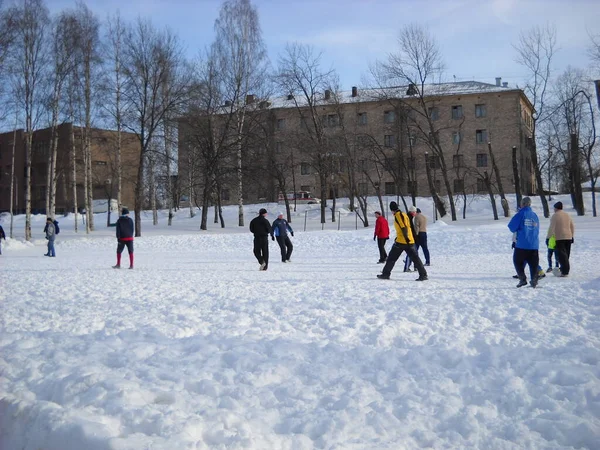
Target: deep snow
196,348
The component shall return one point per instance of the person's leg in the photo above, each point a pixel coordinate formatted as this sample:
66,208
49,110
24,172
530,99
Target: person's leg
563,259
407,262
567,245
281,242
550,251
393,256
533,260
411,252
381,247
423,244
290,248
265,251
519,256
130,251
258,250
120,247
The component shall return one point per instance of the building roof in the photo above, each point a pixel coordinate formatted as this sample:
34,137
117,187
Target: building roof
399,92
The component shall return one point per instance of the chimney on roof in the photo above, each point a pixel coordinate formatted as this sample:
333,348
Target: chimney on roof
249,99
354,91
498,81
412,90
505,84
290,97
327,94
227,103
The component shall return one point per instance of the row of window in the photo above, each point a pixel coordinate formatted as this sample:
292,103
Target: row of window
333,120
411,187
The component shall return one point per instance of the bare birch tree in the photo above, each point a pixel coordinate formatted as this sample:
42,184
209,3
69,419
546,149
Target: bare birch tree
242,59
535,51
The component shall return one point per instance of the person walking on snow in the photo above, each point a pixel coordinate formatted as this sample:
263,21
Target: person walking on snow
526,225
124,237
2,236
551,244
420,222
412,212
261,228
404,243
563,230
51,236
281,227
381,234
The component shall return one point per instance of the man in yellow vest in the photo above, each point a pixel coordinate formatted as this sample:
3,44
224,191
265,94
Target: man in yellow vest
404,242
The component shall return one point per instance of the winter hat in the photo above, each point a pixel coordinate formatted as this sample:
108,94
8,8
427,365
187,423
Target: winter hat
279,214
394,206
558,205
262,211
124,211
418,210
525,201
378,213
48,219
412,209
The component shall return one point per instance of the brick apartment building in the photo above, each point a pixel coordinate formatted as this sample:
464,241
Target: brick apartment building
104,172
383,139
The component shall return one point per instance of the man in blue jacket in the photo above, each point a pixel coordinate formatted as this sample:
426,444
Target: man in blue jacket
526,225
281,228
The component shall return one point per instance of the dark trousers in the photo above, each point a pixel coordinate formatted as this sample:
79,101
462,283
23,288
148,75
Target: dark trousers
563,253
261,249
422,242
550,253
286,246
395,253
381,246
122,244
529,257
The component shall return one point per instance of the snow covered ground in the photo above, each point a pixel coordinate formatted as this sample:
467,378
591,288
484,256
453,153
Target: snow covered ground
197,349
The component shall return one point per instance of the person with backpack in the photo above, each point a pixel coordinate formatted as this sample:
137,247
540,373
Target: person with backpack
2,236
405,242
281,227
50,231
124,230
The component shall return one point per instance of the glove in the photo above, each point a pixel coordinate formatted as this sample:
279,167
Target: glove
272,238
513,245
292,234
547,242
374,238
572,240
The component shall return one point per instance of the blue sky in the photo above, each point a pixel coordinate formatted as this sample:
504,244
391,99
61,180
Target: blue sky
475,36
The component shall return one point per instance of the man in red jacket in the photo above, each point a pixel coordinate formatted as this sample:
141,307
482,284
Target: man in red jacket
382,234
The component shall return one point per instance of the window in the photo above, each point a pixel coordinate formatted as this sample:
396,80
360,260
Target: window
412,140
411,163
363,165
390,164
304,169
459,185
438,185
434,162
281,124
482,159
278,147
333,120
457,112
480,111
389,140
434,137
411,187
456,137
362,188
225,194
481,185
390,188
362,118
481,136
99,163
389,116
458,161
434,113
362,140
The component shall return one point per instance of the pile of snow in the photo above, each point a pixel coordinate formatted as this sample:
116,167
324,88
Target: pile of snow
195,348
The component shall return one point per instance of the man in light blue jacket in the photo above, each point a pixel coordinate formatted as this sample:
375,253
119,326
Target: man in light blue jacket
526,225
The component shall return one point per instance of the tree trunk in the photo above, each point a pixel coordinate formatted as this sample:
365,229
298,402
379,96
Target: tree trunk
503,201
74,174
576,172
12,180
516,176
437,201
152,188
488,185
538,177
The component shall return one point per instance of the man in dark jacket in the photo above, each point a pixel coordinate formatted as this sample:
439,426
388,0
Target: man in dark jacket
261,228
124,237
50,231
526,225
281,227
